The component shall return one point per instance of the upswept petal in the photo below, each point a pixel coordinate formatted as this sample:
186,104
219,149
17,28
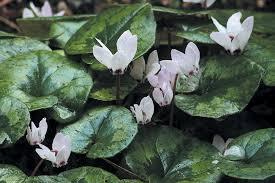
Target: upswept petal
193,50
103,55
43,127
46,10
152,66
35,10
154,70
153,80
209,3
234,26
147,106
46,153
158,96
59,142
138,69
177,56
137,111
170,65
220,27
222,39
243,37
27,13
61,13
219,143
127,44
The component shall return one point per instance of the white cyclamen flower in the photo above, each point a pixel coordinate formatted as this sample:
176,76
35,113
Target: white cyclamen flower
46,11
141,71
60,153
163,95
204,3
37,135
235,36
144,111
126,50
220,144
184,63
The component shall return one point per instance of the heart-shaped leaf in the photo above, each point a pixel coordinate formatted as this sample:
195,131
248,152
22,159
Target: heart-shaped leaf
102,132
44,79
91,174
14,119
154,157
11,47
226,87
110,24
40,27
259,163
11,174
105,87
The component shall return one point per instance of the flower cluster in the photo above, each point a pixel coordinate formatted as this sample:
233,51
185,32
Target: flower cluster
61,146
46,11
204,3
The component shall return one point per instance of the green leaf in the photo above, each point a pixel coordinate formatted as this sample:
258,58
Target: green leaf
40,27
44,79
91,174
11,174
14,119
227,85
13,46
105,86
7,35
259,162
65,29
261,51
179,12
110,24
102,132
199,33
154,157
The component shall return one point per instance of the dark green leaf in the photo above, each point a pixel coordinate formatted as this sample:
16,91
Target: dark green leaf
44,79
14,119
154,157
259,162
13,46
110,24
226,87
40,27
102,132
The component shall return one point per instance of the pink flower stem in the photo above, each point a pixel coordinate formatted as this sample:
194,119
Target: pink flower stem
37,167
171,120
118,89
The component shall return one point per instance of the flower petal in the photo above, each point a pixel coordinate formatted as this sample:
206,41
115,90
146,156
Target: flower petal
103,54
127,44
220,27
234,26
27,13
209,3
138,69
158,96
222,39
60,141
45,153
46,10
43,127
147,106
219,143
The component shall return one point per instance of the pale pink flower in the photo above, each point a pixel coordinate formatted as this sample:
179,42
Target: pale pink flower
36,135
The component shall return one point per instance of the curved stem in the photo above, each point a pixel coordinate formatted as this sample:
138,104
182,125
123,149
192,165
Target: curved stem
123,169
118,89
37,167
171,120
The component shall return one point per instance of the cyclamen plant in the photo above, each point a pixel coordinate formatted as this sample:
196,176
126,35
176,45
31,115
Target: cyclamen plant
141,88
46,11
